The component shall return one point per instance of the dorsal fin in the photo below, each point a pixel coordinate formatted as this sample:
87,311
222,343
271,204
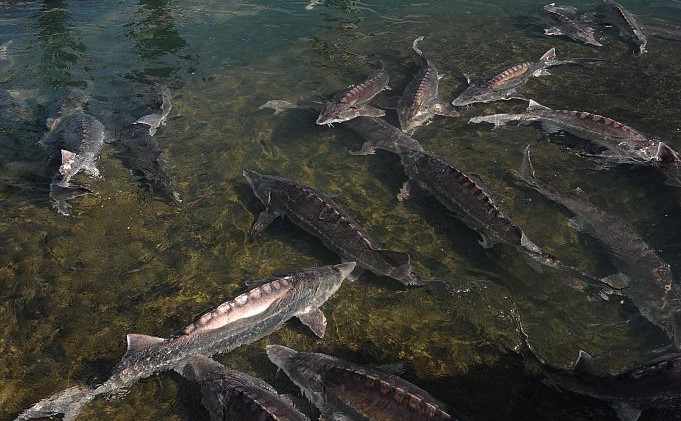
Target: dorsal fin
137,342
535,106
395,257
585,364
549,55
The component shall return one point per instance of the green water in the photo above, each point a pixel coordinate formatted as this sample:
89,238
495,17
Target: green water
71,288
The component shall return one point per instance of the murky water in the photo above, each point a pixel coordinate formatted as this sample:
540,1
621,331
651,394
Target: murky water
73,287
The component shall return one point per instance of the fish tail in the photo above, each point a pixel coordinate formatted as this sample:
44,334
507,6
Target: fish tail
68,402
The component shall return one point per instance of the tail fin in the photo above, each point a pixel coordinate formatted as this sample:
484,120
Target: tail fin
68,402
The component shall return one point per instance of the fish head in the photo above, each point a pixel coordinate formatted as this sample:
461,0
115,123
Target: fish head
407,274
261,184
304,369
322,282
336,112
476,93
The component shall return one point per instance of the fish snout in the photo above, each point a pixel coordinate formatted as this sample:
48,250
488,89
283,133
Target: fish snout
280,355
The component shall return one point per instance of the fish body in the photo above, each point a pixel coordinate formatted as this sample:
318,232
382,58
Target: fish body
664,30
354,102
231,395
379,134
345,391
320,216
627,24
648,279
623,142
419,102
245,319
502,84
564,26
158,119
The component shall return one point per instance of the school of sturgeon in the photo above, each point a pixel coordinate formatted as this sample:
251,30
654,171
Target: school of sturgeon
339,389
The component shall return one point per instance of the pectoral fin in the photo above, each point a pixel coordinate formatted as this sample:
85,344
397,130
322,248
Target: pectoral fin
586,364
264,220
444,109
553,31
315,320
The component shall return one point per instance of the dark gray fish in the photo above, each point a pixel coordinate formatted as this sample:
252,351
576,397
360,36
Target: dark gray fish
646,277
564,26
245,319
231,395
342,390
320,216
70,100
651,385
502,84
624,143
664,30
354,102
158,119
627,24
419,102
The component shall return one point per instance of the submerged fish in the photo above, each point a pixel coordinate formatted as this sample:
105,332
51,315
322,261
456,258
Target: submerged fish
12,110
664,30
231,395
354,102
158,119
245,319
502,84
651,385
342,390
320,216
627,24
646,277
564,26
623,143
419,102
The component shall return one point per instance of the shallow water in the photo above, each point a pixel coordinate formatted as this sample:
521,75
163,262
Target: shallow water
73,287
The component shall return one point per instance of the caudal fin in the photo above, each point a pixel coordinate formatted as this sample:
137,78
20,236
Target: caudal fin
68,402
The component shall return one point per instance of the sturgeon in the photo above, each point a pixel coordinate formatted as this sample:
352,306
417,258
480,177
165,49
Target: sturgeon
627,24
648,279
155,120
419,102
623,142
354,102
564,26
320,216
243,320
650,385
664,31
231,395
342,390
502,84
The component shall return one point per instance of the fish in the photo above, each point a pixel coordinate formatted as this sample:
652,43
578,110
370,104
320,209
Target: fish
158,119
643,276
311,5
503,84
630,392
623,143
564,26
627,24
12,110
354,102
242,320
231,395
419,102
71,100
664,31
342,390
320,216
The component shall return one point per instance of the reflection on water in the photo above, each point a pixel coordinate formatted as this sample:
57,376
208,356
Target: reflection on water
72,288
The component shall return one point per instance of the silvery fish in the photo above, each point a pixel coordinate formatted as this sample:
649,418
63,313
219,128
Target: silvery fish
245,319
354,102
626,23
651,385
158,119
231,395
564,26
624,143
646,279
320,216
342,390
502,84
419,102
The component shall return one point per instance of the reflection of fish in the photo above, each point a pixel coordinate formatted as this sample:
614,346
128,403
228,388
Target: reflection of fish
648,279
346,391
623,142
627,24
247,318
567,27
317,214
232,395
354,102
502,84
419,102
158,119
651,385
